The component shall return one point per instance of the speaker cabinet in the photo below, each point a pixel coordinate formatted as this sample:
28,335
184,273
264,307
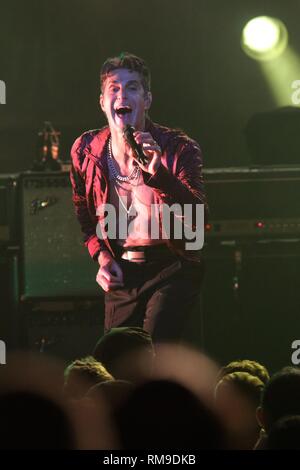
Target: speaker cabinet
67,330
9,319
55,263
251,301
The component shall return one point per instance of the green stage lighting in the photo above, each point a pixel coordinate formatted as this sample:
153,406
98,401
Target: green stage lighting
264,38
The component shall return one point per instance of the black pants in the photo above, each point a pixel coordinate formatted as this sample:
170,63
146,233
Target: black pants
159,296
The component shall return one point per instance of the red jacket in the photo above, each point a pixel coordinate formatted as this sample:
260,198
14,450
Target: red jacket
178,179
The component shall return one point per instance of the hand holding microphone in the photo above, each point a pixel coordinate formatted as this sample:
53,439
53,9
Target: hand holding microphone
145,150
137,148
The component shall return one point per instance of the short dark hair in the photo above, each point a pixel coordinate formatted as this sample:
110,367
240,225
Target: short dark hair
119,341
116,348
281,395
285,434
129,61
82,374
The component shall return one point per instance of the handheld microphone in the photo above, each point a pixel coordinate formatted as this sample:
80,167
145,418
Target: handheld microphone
137,148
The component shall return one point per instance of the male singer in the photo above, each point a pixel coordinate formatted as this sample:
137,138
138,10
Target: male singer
150,275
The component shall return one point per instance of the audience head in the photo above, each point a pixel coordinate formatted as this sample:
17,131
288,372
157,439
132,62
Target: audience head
113,392
280,397
237,397
165,415
246,365
33,421
33,412
127,353
285,434
81,375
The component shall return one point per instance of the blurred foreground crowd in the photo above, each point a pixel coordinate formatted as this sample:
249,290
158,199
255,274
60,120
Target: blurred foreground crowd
131,394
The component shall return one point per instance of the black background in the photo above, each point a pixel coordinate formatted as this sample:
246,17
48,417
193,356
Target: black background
51,52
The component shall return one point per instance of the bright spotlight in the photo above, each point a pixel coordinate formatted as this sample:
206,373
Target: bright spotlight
264,38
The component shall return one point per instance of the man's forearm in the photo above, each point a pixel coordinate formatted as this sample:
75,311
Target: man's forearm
173,189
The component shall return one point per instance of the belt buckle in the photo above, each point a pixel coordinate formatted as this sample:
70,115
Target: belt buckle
136,256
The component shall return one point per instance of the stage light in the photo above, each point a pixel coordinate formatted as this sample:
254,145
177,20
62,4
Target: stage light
260,224
264,38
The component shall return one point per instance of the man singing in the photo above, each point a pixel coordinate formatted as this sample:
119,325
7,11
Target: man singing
150,270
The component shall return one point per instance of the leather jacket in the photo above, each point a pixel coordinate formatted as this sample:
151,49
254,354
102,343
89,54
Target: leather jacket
178,180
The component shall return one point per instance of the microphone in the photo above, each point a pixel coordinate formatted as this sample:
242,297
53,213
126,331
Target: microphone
137,148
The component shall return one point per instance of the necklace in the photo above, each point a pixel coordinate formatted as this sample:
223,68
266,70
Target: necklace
112,167
131,216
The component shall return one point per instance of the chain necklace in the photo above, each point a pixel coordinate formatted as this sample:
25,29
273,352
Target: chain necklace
112,167
123,205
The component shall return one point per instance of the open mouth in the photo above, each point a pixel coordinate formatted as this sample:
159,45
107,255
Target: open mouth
123,111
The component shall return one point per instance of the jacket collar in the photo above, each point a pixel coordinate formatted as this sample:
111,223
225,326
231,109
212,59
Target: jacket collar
98,143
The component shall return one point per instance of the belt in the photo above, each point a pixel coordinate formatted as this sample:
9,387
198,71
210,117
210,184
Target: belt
142,254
